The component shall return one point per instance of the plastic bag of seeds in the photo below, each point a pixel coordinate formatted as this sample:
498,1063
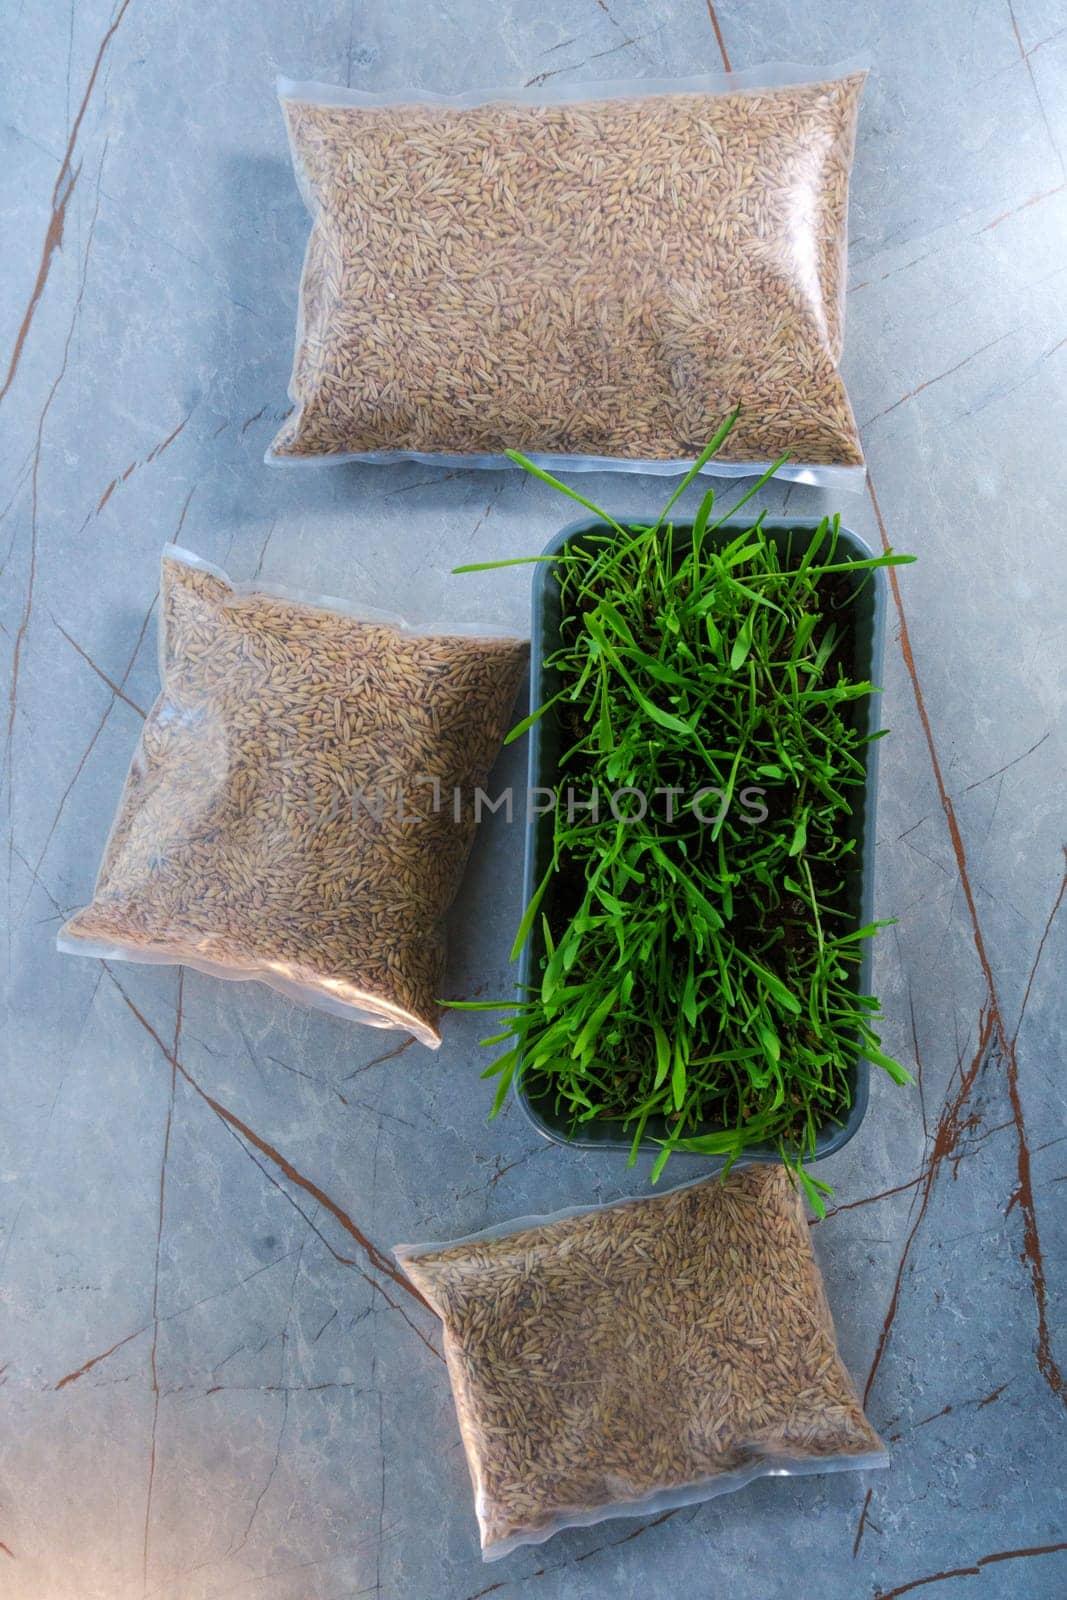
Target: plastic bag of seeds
303,799
594,275
626,1359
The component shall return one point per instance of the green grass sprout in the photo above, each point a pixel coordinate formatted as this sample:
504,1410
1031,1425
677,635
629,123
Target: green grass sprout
700,977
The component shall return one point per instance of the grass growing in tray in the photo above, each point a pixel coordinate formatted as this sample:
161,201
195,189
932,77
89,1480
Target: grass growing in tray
700,972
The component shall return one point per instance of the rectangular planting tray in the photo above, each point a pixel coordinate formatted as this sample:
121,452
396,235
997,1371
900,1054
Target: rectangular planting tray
867,612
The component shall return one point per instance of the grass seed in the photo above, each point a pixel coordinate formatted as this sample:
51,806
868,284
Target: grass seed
241,842
602,279
653,1347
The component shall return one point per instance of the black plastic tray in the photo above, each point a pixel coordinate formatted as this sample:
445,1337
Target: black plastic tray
868,637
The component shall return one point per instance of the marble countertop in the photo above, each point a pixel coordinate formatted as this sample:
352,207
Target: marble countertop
210,1384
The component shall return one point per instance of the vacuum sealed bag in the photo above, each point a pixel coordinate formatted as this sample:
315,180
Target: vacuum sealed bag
629,1358
594,276
302,802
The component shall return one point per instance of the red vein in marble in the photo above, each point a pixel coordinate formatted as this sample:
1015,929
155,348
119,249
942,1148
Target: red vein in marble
18,483
179,1311
929,384
1024,1191
79,1372
919,1070
923,1422
342,1260
610,1544
993,1020
87,752
116,688
66,179
159,449
31,578
946,1134
970,1572
1014,762
865,283
1031,1252
719,38
535,83
153,1363
627,1538
376,1061
53,240
35,870
377,1258
7,1549
861,1524
374,1254
1025,54
34,482
1041,947
1023,205
1034,48
947,1411
1014,1555
870,1199
153,455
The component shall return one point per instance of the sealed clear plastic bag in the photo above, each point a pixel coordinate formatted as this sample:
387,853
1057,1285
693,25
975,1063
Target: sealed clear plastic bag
303,799
594,276
625,1359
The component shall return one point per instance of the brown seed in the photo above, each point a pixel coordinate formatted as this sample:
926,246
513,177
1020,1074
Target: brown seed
641,1349
261,831
606,278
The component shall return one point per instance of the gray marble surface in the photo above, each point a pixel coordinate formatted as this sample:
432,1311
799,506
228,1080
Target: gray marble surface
208,1387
